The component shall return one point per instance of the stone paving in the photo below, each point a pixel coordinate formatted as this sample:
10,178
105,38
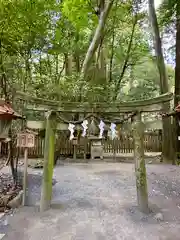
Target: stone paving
97,201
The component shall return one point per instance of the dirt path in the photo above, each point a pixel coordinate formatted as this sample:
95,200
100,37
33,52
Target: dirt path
98,201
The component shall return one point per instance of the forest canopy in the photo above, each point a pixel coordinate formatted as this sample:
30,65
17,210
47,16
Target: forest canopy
45,45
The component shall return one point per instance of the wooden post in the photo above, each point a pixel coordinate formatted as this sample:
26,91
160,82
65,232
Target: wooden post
49,148
85,149
25,176
25,140
74,151
140,168
114,149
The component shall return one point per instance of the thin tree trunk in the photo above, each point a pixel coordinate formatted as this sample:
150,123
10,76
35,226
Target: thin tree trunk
49,65
100,67
126,60
112,56
40,65
112,45
11,158
68,64
76,55
56,58
3,75
131,80
167,148
101,59
97,37
61,71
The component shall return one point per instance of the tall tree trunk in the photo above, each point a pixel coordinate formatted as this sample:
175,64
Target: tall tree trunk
49,65
76,57
76,61
68,64
167,148
100,66
112,45
96,40
101,55
158,48
28,66
97,37
131,79
177,75
56,59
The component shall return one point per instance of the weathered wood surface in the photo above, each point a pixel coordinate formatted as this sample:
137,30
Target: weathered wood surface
152,143
140,168
148,105
46,191
25,176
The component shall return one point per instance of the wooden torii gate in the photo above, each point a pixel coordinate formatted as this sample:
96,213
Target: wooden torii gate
52,107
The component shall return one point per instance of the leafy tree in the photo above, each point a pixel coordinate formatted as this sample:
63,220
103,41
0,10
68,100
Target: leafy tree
170,20
46,56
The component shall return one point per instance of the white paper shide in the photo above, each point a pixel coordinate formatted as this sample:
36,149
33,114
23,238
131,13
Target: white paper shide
113,131
71,129
101,127
85,127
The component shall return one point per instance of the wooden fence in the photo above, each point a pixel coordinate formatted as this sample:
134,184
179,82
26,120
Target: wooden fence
152,143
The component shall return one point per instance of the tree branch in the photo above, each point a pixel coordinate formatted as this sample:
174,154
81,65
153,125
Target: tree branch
126,59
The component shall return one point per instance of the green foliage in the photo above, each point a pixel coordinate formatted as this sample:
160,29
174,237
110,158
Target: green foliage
44,42
79,13
167,11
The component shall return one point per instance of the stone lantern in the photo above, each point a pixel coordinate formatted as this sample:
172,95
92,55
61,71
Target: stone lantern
96,147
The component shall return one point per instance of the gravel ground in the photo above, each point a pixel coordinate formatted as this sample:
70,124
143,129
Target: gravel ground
98,201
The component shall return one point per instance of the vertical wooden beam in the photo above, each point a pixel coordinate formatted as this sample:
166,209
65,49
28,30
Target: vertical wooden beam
74,152
49,148
85,149
140,168
114,149
25,176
